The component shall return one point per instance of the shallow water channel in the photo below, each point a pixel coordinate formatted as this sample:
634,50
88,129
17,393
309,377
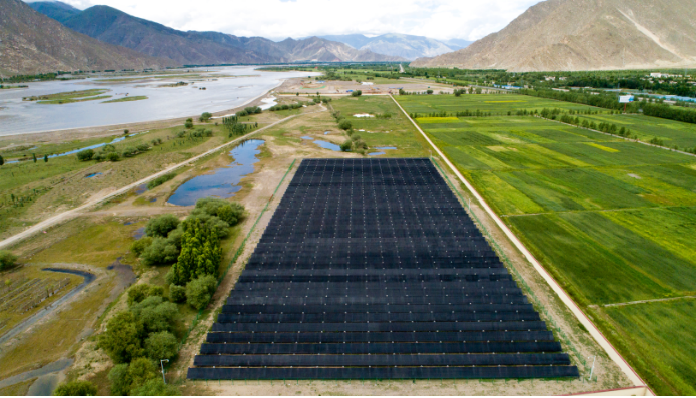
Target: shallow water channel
223,182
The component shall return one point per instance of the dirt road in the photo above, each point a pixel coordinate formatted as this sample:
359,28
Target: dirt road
60,218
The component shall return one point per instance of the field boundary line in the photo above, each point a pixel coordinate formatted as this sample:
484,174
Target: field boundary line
65,216
649,301
567,300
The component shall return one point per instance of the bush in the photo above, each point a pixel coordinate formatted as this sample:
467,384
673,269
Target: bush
177,294
161,226
156,387
112,157
345,125
7,260
429,91
140,245
221,228
162,345
205,116
200,291
142,147
224,210
155,314
85,155
120,380
161,251
139,292
356,93
76,388
141,371
160,180
121,340
347,145
188,124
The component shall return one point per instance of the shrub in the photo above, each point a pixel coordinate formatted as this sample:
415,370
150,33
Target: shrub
224,210
160,180
161,226
205,116
7,260
177,294
140,371
200,291
142,147
113,157
356,93
140,245
162,345
120,380
429,91
141,291
121,340
85,155
188,124
76,388
347,145
156,387
161,251
155,314
345,125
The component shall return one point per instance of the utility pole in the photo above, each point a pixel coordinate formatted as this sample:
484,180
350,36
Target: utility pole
166,360
594,358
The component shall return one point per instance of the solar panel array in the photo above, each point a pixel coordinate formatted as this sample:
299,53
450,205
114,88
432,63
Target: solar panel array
371,269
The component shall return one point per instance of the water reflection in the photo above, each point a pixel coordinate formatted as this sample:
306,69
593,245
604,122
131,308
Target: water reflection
224,181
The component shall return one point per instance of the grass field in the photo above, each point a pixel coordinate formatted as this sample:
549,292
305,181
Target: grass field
609,218
127,99
498,104
69,97
395,131
646,128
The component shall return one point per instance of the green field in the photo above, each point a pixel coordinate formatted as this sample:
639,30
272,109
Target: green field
646,128
611,219
498,104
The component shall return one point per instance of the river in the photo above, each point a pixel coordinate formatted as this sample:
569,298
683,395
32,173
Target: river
225,88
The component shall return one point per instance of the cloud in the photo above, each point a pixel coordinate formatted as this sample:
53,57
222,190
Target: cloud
278,19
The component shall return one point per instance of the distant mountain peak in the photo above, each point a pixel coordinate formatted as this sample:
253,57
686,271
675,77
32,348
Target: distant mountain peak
396,44
586,35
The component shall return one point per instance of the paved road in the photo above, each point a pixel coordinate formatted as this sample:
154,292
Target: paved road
60,218
594,332
52,367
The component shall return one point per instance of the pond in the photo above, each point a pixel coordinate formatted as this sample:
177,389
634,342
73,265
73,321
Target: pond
381,150
323,144
224,181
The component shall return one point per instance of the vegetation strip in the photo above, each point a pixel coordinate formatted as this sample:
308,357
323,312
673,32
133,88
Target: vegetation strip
70,213
574,308
649,301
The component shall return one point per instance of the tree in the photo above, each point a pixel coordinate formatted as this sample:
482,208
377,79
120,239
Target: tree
177,294
141,291
199,291
429,91
345,125
205,116
46,158
7,260
85,155
120,380
224,210
79,388
125,132
2,160
121,340
347,145
113,157
156,387
162,345
33,155
356,93
161,226
140,245
189,123
200,252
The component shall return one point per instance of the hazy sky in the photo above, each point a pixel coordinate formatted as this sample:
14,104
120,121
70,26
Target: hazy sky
277,19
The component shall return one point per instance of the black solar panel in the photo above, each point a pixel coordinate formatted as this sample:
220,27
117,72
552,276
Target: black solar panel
371,269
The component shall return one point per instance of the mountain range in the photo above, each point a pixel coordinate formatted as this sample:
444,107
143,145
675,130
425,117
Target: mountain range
400,45
586,35
115,27
32,43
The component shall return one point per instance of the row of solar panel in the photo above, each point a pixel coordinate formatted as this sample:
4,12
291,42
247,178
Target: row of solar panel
481,372
238,298
381,348
458,286
361,337
375,308
382,360
380,317
379,327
